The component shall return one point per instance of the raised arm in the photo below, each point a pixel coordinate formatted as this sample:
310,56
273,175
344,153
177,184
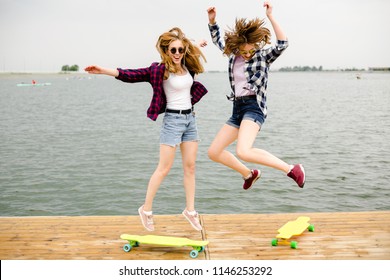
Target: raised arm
95,69
212,13
214,28
275,25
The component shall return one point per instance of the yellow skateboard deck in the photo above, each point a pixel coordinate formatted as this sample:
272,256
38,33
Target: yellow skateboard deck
292,228
135,240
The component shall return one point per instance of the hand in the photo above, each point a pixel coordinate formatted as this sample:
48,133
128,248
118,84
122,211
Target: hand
268,6
94,69
212,12
202,43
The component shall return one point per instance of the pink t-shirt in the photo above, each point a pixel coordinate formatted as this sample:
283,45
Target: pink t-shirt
240,83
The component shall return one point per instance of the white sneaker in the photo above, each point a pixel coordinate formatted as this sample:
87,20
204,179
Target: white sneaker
193,219
147,220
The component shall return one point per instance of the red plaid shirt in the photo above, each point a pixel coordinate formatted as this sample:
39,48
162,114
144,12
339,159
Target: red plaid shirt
155,75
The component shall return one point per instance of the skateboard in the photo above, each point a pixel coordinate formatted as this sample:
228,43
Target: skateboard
292,228
135,240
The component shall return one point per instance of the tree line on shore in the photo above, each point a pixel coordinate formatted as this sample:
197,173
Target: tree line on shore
67,68
313,69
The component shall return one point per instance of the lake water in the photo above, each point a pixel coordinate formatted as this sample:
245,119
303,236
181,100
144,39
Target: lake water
83,146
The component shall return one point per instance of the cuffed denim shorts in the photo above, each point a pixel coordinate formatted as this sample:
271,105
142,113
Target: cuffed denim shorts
246,110
178,128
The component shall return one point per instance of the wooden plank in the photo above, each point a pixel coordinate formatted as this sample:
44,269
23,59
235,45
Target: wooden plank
349,235
88,238
359,235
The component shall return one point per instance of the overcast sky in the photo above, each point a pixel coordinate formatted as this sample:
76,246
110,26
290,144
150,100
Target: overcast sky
43,35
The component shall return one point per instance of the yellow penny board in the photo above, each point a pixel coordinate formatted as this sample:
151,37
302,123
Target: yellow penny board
292,228
135,240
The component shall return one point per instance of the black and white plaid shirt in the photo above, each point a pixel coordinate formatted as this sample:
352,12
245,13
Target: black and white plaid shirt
256,69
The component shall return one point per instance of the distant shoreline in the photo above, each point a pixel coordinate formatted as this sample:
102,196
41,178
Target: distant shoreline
210,71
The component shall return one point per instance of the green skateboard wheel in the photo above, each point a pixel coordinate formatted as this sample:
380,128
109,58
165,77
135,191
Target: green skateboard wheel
127,248
194,254
294,244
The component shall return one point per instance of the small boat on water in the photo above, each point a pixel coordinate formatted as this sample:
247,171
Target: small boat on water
32,84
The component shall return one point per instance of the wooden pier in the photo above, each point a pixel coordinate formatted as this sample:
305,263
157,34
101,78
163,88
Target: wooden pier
337,236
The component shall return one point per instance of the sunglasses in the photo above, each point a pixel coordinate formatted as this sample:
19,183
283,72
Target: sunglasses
173,50
251,52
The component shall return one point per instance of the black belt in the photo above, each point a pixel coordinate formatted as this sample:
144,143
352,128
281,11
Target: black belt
244,98
188,111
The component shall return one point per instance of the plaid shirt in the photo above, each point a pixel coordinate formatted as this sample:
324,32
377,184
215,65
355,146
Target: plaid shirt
256,69
155,76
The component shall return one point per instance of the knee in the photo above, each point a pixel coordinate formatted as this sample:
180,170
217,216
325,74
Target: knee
189,168
212,154
242,154
163,171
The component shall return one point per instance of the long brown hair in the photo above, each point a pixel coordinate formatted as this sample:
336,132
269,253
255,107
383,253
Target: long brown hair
246,32
191,57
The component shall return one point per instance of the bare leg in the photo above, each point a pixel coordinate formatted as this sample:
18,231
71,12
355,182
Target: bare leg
167,156
188,152
245,151
218,153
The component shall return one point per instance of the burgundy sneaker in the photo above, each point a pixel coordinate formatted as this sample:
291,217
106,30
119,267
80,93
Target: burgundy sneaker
250,181
297,173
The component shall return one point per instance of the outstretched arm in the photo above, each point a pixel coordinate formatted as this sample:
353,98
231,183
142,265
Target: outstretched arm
275,25
202,43
95,69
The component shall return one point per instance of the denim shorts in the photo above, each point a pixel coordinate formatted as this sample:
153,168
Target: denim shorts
246,110
178,128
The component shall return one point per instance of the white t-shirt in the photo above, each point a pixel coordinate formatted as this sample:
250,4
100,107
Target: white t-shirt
177,89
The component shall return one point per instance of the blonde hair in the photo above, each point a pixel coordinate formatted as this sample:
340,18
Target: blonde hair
246,32
191,57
